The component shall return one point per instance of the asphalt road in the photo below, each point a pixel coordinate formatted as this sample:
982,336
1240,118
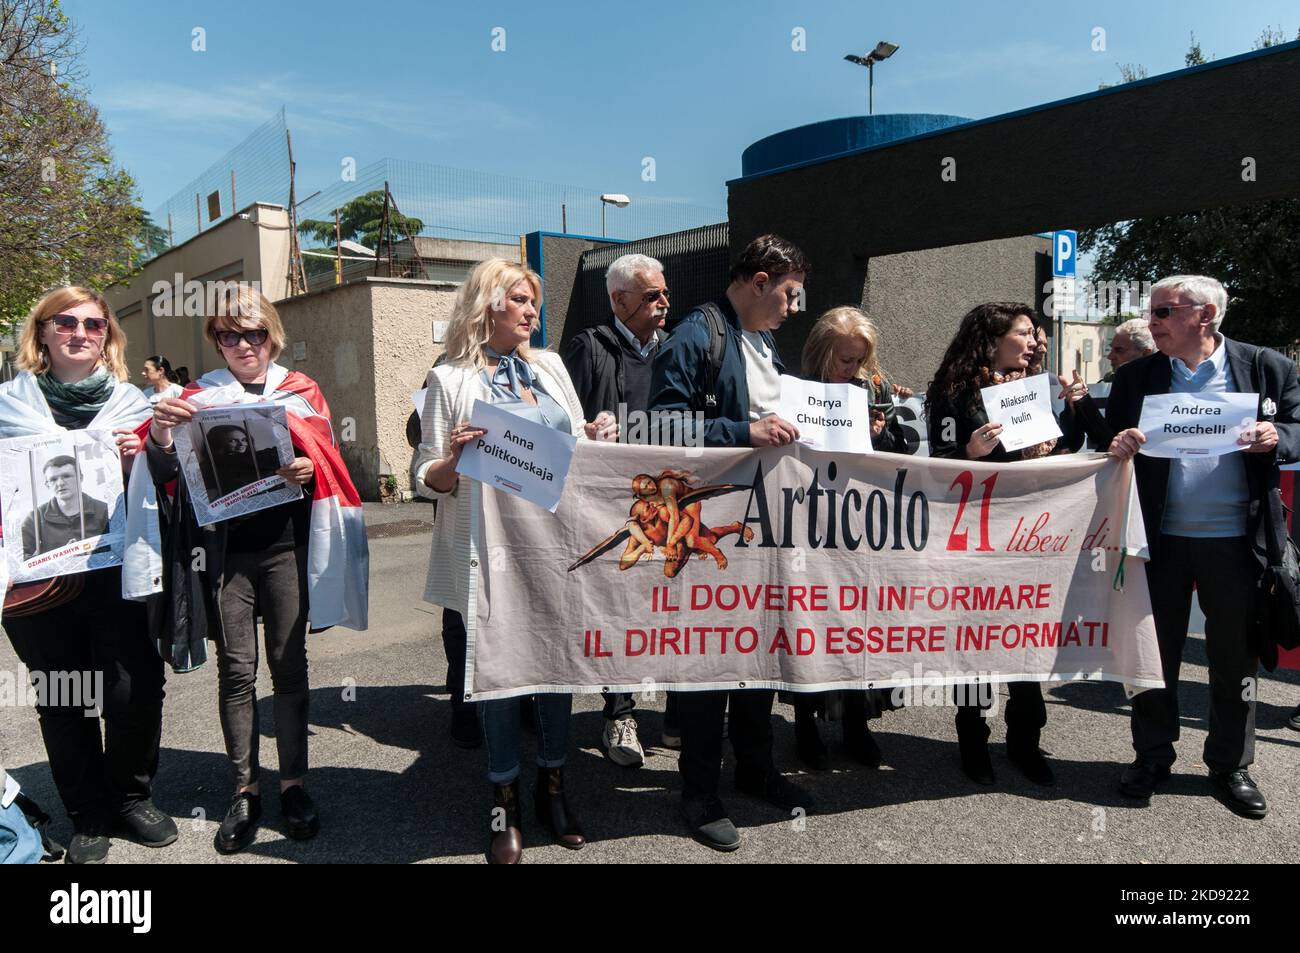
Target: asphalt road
392,788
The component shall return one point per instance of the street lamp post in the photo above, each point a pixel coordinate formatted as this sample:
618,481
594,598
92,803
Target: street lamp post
611,198
883,51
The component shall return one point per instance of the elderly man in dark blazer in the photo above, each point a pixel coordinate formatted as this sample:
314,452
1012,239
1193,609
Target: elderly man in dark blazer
1204,524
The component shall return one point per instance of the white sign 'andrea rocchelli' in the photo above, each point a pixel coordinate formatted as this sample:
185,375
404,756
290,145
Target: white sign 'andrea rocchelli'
835,417
1024,409
518,456
1196,425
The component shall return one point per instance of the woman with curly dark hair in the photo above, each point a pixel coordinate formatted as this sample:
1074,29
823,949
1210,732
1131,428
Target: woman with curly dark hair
995,343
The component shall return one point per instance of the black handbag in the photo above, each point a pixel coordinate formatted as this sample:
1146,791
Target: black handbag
1279,585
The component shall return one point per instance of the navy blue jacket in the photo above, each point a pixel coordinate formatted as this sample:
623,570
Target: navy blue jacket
681,370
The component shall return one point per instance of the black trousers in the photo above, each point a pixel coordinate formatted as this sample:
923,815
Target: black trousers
619,705
454,645
750,729
1026,714
1224,573
104,635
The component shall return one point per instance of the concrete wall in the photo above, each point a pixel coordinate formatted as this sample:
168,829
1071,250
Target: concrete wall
368,345
1074,334
233,250
916,299
558,265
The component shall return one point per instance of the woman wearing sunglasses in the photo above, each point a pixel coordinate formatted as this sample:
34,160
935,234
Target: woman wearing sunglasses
73,376
488,359
258,564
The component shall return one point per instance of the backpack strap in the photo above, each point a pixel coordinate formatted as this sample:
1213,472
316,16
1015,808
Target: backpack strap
716,323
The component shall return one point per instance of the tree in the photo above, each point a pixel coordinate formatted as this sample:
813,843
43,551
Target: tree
361,220
67,214
1253,249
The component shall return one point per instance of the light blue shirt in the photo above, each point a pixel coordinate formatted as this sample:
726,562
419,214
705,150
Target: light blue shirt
1207,497
645,350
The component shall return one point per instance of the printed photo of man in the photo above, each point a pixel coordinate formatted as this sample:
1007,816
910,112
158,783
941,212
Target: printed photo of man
68,516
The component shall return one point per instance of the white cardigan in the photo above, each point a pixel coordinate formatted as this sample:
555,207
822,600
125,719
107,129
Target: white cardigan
453,560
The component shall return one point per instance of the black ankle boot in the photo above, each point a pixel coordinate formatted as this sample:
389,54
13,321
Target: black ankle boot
553,809
507,845
808,740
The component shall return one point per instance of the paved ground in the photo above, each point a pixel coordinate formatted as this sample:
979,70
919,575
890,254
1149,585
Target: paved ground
392,788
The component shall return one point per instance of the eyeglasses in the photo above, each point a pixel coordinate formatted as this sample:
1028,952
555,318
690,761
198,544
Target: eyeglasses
67,324
1166,310
256,337
650,297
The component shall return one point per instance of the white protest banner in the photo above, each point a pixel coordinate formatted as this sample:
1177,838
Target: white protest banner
517,456
793,569
229,457
1195,425
61,504
834,417
1024,409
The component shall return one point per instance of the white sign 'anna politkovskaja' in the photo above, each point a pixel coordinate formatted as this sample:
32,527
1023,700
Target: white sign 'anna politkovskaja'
1024,409
518,456
1195,425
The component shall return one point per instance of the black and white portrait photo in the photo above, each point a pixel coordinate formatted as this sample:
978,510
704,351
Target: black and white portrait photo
59,492
226,450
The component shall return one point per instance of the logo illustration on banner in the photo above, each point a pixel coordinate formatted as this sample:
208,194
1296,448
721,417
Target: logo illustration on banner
667,513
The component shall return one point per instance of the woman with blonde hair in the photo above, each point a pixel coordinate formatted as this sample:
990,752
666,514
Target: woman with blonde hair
299,564
488,358
73,376
842,348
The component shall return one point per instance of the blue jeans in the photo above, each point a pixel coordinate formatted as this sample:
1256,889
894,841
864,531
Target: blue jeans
500,719
19,843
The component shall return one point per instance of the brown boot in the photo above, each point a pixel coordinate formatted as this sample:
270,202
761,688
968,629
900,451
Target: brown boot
553,809
507,845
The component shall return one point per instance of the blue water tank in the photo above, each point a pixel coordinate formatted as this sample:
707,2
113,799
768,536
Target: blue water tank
822,140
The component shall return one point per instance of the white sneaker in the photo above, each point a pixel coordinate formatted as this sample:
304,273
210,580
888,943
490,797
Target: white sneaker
620,743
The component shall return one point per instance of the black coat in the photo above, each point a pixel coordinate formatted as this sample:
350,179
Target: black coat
1152,375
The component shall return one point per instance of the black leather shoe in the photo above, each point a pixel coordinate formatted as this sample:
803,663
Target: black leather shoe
777,791
507,842
301,822
808,742
1032,765
145,824
1140,778
977,765
1294,721
89,844
1237,789
708,821
240,825
863,749
553,809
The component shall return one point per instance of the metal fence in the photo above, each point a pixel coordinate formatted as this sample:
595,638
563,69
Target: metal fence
696,264
256,170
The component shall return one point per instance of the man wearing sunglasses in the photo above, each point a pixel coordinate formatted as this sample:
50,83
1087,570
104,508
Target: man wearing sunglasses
1204,522
610,367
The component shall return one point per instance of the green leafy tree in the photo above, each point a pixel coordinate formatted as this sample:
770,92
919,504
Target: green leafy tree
67,214
361,220
1253,249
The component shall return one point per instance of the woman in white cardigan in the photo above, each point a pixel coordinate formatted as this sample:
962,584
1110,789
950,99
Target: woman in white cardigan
488,359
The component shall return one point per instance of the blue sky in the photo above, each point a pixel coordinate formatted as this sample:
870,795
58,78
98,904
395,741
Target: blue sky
584,91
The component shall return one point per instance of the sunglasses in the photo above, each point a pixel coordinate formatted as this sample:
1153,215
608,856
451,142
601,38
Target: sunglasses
1167,310
650,297
67,324
256,337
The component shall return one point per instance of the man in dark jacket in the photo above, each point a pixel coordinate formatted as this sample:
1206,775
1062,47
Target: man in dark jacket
740,410
610,368
1203,518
